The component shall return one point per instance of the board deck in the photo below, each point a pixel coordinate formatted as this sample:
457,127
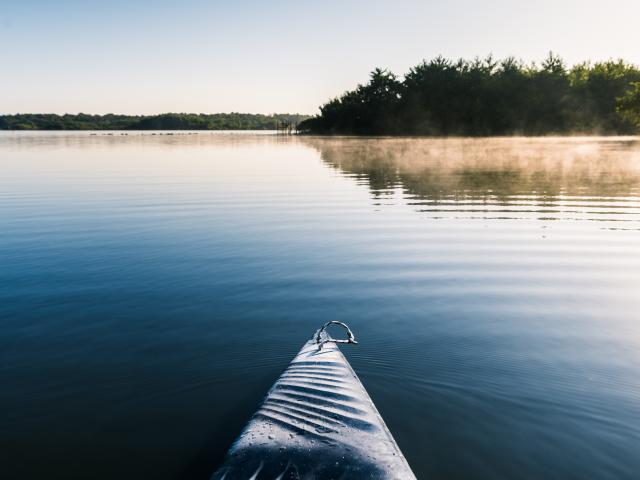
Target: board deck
317,421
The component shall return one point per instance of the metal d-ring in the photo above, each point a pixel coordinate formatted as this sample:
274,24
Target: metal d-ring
350,337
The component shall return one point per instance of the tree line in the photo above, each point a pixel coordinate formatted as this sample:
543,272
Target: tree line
488,97
167,121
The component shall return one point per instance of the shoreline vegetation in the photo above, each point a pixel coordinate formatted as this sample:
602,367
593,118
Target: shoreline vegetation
488,97
439,97
166,121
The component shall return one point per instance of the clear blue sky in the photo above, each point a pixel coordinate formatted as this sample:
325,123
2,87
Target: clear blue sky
141,56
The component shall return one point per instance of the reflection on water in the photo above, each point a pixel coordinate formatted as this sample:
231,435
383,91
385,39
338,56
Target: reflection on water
154,286
506,178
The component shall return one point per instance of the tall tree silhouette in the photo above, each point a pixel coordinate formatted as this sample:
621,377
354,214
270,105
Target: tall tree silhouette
487,97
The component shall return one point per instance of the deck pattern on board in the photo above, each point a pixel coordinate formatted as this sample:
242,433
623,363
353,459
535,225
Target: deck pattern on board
317,421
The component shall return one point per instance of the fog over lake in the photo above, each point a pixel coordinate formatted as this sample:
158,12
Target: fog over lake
153,286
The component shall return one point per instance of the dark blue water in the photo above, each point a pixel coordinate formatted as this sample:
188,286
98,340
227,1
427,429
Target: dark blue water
152,287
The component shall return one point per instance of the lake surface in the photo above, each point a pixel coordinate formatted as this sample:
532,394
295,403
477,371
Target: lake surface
152,288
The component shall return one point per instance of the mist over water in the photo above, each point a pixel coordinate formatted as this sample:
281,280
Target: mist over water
154,286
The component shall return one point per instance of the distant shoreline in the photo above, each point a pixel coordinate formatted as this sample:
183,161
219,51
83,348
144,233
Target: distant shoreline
165,121
337,136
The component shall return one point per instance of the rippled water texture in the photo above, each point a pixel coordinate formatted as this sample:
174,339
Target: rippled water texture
152,288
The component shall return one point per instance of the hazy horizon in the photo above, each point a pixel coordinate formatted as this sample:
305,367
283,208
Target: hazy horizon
143,58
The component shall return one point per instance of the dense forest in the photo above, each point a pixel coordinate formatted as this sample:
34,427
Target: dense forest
167,121
489,97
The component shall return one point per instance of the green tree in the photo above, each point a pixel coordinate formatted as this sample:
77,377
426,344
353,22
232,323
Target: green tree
629,105
487,97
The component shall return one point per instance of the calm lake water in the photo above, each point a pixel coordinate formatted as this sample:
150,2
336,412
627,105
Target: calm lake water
152,288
